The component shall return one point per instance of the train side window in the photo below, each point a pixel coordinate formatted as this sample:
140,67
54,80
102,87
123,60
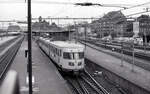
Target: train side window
49,47
60,52
56,51
53,49
81,55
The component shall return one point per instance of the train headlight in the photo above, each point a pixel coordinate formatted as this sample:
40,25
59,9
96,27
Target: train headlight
79,63
71,64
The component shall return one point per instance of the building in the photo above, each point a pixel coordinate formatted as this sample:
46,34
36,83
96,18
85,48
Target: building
124,28
41,25
44,29
13,28
144,27
113,23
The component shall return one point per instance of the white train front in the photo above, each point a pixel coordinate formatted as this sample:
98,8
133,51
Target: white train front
69,56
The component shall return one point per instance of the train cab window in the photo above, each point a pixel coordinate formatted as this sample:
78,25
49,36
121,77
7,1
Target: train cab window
81,55
57,51
75,55
67,55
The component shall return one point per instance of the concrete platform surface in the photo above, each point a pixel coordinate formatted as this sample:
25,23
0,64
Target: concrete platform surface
5,39
139,77
47,80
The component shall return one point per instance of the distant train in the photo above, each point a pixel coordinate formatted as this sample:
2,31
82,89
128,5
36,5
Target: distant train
68,56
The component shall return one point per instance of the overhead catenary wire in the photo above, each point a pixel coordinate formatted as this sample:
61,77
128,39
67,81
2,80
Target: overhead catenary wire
38,2
52,2
146,3
134,6
137,13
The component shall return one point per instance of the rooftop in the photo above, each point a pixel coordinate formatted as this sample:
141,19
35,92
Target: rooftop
66,44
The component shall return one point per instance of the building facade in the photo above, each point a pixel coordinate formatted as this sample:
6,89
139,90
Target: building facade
13,28
144,27
113,23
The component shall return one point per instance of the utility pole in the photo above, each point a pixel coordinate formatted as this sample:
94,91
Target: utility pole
133,56
145,41
122,43
85,31
122,54
29,47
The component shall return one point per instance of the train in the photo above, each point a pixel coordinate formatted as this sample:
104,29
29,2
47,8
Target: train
68,56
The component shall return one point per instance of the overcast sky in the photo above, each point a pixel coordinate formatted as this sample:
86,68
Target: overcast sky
16,9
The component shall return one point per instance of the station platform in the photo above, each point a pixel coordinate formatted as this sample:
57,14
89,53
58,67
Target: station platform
147,52
46,78
134,74
5,39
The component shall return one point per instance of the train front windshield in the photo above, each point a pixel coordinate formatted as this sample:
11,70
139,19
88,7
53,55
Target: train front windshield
74,55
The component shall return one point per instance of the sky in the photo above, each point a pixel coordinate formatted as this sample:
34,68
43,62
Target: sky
17,9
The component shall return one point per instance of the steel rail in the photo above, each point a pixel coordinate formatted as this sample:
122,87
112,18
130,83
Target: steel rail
104,91
6,44
127,52
8,56
92,86
77,90
145,66
82,86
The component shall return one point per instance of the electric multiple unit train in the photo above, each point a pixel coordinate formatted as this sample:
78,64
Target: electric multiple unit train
69,56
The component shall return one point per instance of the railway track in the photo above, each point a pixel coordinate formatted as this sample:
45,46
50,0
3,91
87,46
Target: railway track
90,80
101,77
6,44
117,48
119,44
87,84
84,85
75,86
8,55
140,60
